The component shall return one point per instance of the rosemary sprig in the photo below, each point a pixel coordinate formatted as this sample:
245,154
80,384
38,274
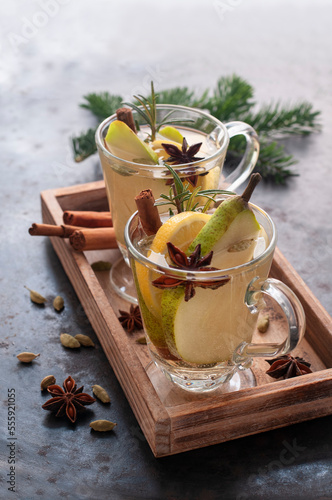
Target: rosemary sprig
185,200
232,99
149,112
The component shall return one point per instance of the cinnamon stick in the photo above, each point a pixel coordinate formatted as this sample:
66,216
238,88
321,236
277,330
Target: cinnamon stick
93,239
63,231
125,115
148,212
87,218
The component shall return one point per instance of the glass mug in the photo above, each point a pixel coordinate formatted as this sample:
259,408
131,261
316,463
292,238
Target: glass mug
126,179
219,322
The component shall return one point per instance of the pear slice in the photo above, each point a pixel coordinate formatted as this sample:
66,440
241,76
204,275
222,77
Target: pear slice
152,324
205,329
232,223
171,133
124,143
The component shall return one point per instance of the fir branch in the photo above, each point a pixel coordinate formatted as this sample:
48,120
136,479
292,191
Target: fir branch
84,145
182,96
273,163
277,120
102,105
231,98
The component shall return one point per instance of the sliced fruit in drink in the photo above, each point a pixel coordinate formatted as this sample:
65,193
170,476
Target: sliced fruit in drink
232,223
124,143
193,329
171,133
179,230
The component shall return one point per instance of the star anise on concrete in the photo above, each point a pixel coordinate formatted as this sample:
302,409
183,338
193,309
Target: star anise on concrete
68,401
132,319
192,262
287,367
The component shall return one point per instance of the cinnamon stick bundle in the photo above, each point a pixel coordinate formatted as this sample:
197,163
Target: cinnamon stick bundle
87,218
148,212
93,239
62,231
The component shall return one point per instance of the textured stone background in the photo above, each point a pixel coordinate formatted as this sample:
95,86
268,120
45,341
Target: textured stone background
51,54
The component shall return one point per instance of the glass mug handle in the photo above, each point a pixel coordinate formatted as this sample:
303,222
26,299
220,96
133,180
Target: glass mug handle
292,309
249,160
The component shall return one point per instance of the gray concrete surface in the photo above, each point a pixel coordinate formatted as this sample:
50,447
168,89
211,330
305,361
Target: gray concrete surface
51,54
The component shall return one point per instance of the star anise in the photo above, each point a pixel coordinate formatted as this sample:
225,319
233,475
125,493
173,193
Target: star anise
68,401
192,262
287,367
132,319
184,155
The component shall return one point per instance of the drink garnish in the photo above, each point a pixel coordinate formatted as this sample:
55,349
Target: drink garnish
192,262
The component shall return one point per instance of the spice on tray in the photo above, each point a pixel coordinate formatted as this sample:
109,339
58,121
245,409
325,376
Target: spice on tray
69,341
101,265
62,231
102,425
101,393
287,367
101,238
58,303
68,401
141,340
36,297
132,319
84,340
148,212
87,218
47,381
27,357
263,323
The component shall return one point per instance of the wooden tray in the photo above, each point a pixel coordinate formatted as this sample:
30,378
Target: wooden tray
173,420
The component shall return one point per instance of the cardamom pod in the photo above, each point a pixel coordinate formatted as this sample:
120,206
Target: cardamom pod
141,340
102,425
27,357
101,394
58,303
101,265
48,380
69,341
84,340
36,297
263,323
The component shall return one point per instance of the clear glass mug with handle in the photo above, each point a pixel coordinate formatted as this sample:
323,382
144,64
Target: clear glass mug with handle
125,178
202,343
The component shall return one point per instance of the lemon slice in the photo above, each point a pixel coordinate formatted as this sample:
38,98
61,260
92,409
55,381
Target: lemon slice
181,230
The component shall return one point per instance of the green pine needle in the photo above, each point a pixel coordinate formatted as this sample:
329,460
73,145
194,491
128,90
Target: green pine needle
102,105
276,120
84,145
232,99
